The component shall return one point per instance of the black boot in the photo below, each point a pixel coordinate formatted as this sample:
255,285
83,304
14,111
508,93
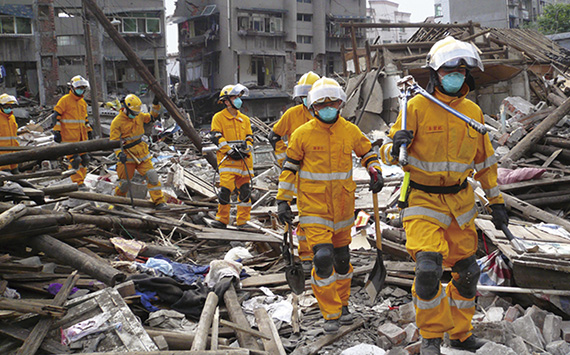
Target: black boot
346,318
470,344
331,326
218,224
431,346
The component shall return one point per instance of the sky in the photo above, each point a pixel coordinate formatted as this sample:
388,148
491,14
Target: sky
420,9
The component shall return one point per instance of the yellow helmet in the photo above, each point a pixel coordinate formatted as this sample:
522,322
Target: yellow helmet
305,83
325,89
132,103
78,81
233,90
451,53
6,99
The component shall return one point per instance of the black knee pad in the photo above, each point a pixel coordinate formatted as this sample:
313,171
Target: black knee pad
428,273
244,192
469,272
342,260
85,159
75,161
224,196
323,260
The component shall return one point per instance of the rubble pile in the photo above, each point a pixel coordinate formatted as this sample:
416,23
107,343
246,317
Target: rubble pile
86,271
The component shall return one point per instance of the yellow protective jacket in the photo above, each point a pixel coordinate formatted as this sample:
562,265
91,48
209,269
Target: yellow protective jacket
444,152
131,129
8,131
292,119
321,154
228,128
72,121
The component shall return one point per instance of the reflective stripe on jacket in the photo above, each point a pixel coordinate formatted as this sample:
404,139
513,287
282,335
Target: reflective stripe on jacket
321,155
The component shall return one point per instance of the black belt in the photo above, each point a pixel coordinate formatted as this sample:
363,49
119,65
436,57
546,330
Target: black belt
132,144
439,189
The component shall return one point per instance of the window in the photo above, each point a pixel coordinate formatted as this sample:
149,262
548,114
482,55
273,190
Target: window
260,22
15,25
276,24
305,39
438,10
69,41
305,17
304,56
140,23
305,1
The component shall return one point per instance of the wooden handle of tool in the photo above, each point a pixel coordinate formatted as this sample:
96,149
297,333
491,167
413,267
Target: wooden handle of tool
377,221
133,156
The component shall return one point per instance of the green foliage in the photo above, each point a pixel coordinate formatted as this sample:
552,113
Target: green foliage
555,19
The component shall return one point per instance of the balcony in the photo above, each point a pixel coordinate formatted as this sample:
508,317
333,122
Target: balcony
251,32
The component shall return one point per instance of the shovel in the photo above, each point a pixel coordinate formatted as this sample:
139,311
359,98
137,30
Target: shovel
294,273
377,276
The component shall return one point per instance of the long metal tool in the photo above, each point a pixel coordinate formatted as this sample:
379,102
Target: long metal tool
128,178
294,273
377,276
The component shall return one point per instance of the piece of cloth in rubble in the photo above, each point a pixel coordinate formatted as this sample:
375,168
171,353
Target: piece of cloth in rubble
508,176
186,273
128,249
162,266
169,319
187,299
495,270
146,300
222,268
55,287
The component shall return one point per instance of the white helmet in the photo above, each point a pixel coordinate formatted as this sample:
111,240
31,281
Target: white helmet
78,81
6,99
305,83
233,90
325,89
451,53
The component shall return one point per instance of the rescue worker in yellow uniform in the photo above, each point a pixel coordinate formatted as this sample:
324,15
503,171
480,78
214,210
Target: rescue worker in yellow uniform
439,220
319,166
292,119
128,126
8,128
231,132
73,125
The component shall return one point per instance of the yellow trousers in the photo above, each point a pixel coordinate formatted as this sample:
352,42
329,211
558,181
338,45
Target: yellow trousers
155,190
232,181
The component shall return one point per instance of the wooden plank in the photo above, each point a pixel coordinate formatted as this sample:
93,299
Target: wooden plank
49,345
526,185
325,340
551,158
26,306
234,235
273,345
206,317
236,315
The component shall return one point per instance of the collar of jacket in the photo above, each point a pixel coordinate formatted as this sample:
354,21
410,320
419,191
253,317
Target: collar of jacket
447,98
6,115
75,97
229,116
328,126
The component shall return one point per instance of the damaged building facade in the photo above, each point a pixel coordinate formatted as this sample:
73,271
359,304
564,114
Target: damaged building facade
43,45
265,48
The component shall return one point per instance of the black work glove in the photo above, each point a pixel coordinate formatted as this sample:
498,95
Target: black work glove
155,101
123,157
90,135
284,212
57,136
235,154
244,150
499,214
85,159
75,161
376,180
403,136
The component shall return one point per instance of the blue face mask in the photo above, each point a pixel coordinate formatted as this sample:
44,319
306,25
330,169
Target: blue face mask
79,92
238,103
328,114
305,102
7,110
131,115
452,82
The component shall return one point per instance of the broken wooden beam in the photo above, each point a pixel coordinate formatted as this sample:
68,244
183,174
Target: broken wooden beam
529,210
21,334
272,345
206,317
236,315
537,133
26,306
11,214
58,150
68,255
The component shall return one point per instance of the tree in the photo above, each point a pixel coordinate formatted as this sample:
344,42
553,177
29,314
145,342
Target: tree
555,19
